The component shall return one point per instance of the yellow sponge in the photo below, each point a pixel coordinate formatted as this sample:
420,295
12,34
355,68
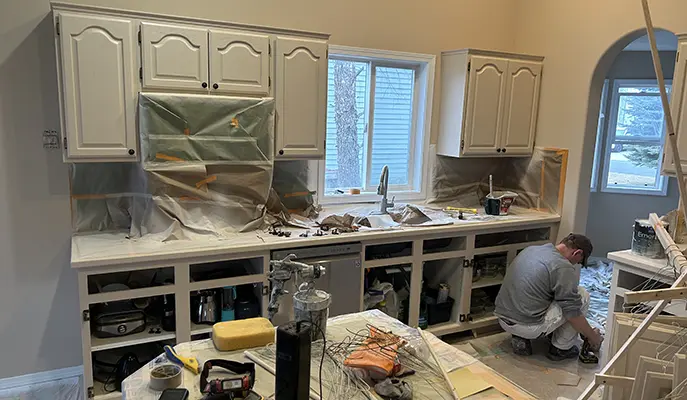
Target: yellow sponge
242,334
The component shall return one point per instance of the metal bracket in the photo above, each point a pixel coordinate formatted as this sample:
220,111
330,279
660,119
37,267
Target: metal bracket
86,315
466,263
265,290
91,392
462,144
57,26
64,140
461,318
139,35
468,66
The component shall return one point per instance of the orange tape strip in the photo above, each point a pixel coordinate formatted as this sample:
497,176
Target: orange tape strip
296,194
207,180
88,196
165,157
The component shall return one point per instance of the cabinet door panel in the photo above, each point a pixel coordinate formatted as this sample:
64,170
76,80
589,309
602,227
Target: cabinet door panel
99,87
239,62
520,110
301,98
486,88
174,57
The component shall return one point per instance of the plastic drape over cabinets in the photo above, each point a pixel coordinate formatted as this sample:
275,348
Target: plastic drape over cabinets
538,180
60,389
207,164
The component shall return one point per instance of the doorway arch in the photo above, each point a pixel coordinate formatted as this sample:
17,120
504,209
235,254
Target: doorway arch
599,74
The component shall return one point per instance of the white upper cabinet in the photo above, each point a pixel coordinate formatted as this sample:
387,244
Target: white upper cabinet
489,103
98,87
239,62
678,103
301,94
106,57
486,88
174,57
521,105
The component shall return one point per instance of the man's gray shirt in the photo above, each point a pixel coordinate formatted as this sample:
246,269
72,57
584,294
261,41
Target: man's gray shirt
538,276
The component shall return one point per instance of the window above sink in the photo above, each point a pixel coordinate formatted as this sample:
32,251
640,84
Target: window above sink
378,113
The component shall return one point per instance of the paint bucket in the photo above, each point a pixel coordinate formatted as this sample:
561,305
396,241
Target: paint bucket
498,203
644,240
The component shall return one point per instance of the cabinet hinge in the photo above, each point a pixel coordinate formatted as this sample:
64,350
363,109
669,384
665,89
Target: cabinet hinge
139,35
462,144
269,81
461,318
86,315
468,66
64,141
140,73
265,291
91,392
269,49
466,263
57,26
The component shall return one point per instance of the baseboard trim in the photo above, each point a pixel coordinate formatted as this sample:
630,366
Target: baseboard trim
41,377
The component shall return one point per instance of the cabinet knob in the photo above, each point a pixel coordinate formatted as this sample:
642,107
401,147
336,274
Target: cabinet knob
132,152
498,150
204,85
281,152
503,149
215,86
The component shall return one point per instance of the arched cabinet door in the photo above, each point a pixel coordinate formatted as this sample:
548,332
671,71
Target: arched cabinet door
239,62
301,93
98,87
174,57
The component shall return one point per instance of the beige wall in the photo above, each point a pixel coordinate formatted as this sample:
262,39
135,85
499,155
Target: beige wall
39,319
573,36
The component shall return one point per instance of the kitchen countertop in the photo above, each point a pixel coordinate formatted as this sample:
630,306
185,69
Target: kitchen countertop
103,249
652,265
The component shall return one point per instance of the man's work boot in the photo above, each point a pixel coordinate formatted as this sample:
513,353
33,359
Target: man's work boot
556,354
521,346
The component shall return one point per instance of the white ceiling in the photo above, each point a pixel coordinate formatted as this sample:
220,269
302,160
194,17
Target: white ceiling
665,41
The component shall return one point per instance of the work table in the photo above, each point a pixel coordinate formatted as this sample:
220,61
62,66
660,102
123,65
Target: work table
103,249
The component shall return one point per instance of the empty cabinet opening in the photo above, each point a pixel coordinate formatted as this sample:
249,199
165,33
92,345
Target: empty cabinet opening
489,269
441,245
222,270
228,303
127,280
124,323
388,290
388,250
441,290
513,237
482,303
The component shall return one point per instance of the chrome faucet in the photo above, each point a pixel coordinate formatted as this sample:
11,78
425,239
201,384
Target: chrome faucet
382,190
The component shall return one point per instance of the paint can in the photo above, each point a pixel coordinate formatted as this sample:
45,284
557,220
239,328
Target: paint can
644,240
442,294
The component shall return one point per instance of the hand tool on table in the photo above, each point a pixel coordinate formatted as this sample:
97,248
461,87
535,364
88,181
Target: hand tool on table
191,363
462,209
587,354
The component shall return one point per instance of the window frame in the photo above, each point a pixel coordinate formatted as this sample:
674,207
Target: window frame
609,137
600,135
423,92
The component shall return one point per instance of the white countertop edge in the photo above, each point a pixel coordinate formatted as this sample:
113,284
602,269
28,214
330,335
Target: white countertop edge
635,260
258,241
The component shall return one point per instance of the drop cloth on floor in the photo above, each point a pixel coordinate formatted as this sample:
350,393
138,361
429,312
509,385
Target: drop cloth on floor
596,278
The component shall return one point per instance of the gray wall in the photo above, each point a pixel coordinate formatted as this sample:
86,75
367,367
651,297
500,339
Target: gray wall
39,321
611,215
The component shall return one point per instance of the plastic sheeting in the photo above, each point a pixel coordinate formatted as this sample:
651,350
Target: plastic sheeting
61,389
538,180
207,165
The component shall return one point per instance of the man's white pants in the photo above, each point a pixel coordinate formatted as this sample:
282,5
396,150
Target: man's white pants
564,336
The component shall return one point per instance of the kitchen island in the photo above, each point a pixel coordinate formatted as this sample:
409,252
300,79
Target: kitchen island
462,255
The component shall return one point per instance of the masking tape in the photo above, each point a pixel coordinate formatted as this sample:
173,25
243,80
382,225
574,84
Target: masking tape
166,157
207,180
165,376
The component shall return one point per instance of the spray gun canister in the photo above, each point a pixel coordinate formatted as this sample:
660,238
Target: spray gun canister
312,306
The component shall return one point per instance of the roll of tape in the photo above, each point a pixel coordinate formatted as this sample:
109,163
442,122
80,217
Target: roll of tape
165,376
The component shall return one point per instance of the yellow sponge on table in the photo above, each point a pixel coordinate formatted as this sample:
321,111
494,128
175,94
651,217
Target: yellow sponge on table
242,334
